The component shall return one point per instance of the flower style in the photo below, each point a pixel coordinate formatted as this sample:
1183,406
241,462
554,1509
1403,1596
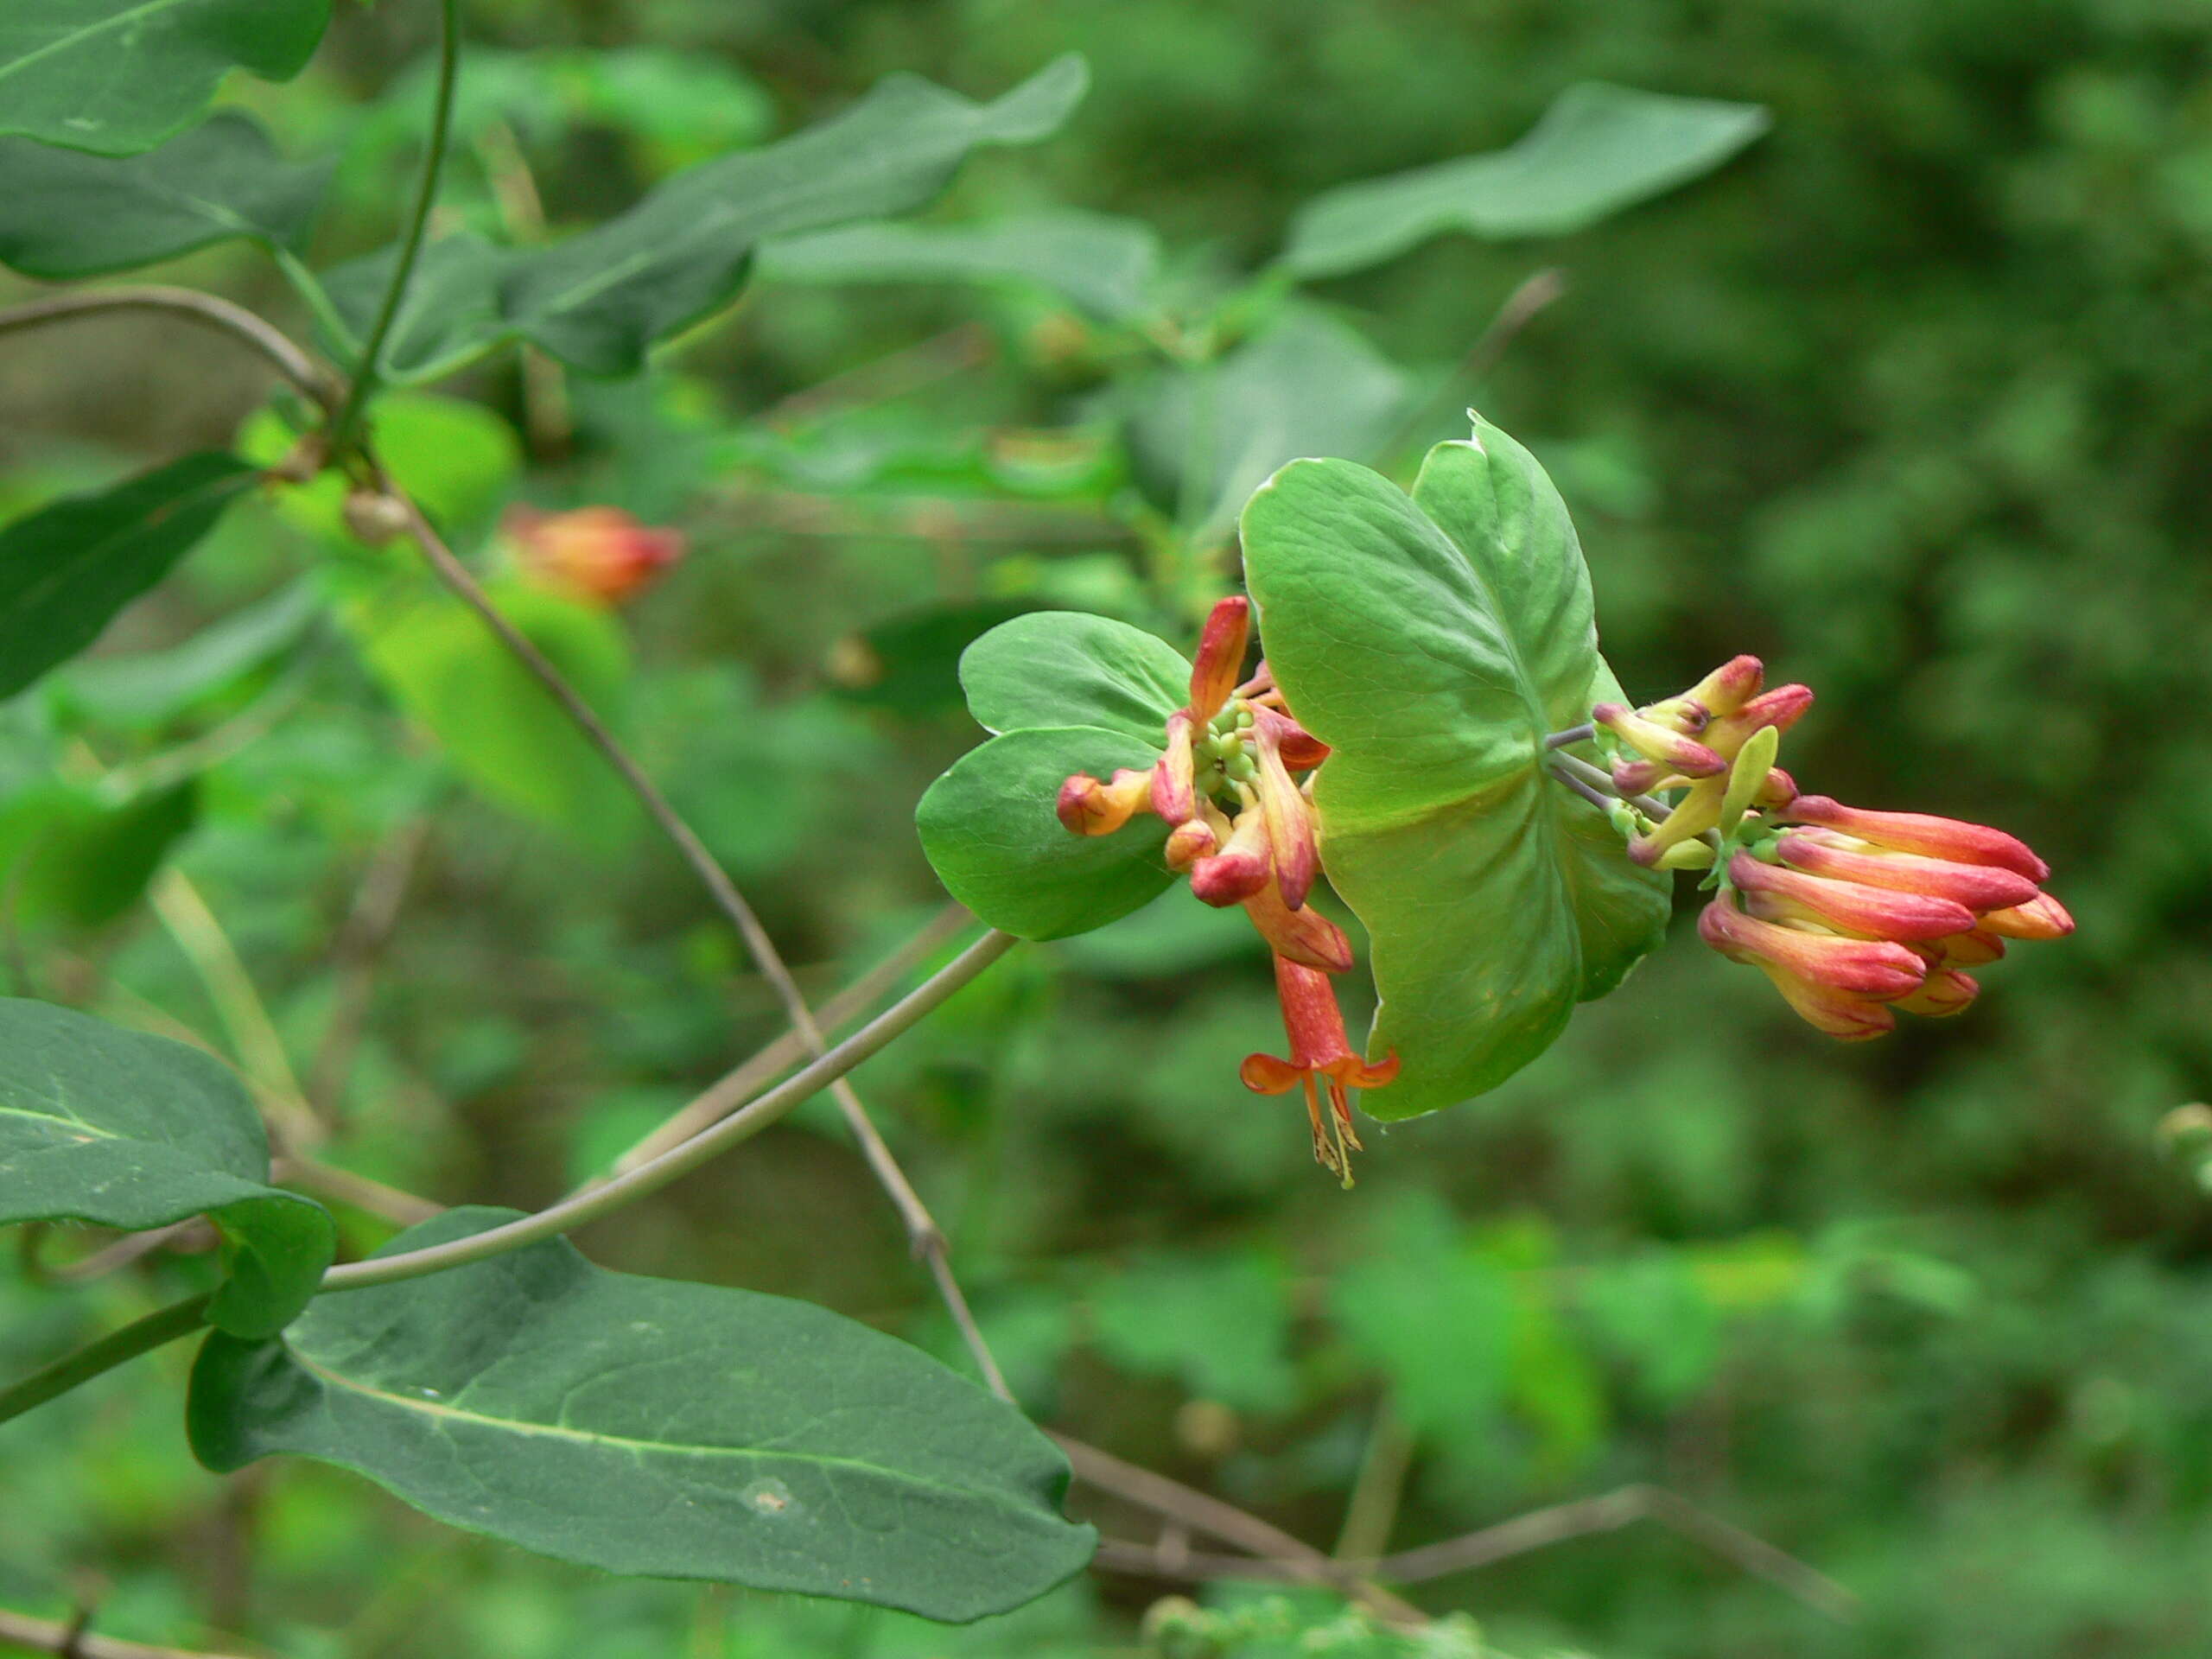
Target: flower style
601,555
1320,1056
1242,829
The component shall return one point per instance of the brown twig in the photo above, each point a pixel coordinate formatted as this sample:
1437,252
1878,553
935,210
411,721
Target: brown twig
295,365
195,1233
66,1638
789,1050
1276,1553
938,520
1519,307
1538,1529
923,1234
367,928
957,350
253,1033
389,1203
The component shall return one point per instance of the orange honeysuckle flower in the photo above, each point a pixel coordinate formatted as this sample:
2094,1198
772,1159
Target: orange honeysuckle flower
1284,809
1844,1015
1241,868
1087,807
1977,887
1774,893
2040,917
1220,662
1879,968
1320,1057
1303,936
1922,833
602,555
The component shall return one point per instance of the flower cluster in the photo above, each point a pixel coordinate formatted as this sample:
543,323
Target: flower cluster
1852,914
601,555
1241,827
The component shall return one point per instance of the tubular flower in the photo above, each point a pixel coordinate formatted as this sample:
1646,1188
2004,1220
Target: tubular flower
1691,741
1852,912
1320,1057
1242,828
1949,892
1239,822
601,555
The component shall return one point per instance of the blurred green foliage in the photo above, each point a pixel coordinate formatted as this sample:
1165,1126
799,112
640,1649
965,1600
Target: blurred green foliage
1914,401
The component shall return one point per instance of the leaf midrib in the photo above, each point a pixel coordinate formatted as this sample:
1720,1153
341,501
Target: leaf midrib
42,586
62,43
437,1409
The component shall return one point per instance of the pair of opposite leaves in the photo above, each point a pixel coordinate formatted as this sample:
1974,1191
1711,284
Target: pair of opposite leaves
1432,642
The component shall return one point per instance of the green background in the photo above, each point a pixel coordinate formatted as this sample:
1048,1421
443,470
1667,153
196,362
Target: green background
1913,399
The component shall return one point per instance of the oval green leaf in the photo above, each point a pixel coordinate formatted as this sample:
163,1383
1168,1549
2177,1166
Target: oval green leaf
66,569
598,300
1103,264
992,836
644,1426
1070,668
68,214
496,722
1598,149
116,77
1433,643
122,1129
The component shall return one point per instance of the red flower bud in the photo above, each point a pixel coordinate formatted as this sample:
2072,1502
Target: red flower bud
2040,917
1241,868
1781,709
1977,887
1839,1014
599,555
1942,995
1656,742
1221,655
1174,780
1190,841
1777,894
1289,817
1922,833
1088,807
1303,936
1729,687
1870,968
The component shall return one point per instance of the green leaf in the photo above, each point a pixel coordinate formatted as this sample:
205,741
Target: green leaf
992,836
1105,266
1433,643
67,214
121,1129
498,725
910,664
116,77
1204,438
457,458
1437,1321
600,299
1220,1324
66,570
66,855
1598,149
644,1426
151,688
1070,668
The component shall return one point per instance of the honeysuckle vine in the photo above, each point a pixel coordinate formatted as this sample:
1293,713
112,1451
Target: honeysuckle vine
1426,737
1429,723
